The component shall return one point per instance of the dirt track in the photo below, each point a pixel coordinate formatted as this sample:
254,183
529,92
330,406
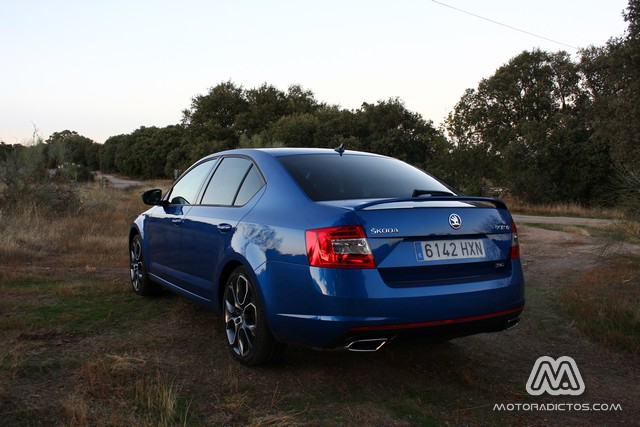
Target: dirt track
552,259
120,182
534,219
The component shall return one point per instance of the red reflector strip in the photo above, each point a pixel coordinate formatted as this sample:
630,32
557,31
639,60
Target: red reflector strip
437,322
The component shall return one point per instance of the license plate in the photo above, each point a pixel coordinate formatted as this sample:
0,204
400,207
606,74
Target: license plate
434,250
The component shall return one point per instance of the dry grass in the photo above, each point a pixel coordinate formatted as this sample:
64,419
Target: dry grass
97,233
76,410
160,398
63,279
561,209
605,303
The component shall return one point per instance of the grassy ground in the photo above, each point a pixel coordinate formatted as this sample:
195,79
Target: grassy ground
605,303
78,348
517,206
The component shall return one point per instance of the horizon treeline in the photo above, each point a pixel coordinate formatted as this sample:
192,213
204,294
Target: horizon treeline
544,128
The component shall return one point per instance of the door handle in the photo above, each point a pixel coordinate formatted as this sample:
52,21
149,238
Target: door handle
177,221
225,228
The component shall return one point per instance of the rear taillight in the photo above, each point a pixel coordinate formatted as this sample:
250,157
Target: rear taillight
339,247
514,253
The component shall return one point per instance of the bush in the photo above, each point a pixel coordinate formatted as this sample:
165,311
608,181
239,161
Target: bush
628,183
28,189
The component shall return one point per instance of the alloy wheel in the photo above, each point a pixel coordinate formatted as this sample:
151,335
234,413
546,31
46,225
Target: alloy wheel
240,315
137,268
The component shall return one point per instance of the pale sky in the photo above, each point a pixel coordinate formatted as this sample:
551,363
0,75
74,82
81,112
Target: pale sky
104,68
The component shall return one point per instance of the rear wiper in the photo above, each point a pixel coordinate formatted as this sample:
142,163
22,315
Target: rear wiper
417,193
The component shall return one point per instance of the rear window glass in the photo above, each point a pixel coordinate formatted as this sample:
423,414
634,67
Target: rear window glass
332,177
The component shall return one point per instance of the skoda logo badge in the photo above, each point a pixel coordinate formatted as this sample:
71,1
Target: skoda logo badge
455,221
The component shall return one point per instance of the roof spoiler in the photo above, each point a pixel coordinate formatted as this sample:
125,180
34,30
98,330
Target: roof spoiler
480,201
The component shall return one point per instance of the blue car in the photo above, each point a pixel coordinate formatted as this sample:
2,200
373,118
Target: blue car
328,249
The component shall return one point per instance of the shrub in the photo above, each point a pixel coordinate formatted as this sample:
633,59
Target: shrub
27,186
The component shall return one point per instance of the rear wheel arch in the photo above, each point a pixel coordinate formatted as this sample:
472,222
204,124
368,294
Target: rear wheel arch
249,337
141,283
133,233
226,272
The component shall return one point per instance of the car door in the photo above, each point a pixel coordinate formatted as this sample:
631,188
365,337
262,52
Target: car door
163,225
210,226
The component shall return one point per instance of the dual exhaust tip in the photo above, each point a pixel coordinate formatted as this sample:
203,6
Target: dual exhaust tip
367,345
511,323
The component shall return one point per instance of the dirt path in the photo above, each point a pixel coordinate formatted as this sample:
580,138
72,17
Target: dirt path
119,182
536,219
551,260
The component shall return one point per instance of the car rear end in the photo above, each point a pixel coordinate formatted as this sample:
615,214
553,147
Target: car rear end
435,264
449,268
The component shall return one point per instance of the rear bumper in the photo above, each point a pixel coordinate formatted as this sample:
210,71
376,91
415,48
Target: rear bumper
329,308
439,330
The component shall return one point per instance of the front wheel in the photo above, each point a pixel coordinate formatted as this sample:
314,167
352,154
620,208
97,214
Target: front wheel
249,339
140,282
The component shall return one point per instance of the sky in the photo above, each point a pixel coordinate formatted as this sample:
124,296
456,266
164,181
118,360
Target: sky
105,68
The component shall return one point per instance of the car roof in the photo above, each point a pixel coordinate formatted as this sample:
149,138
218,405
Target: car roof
291,151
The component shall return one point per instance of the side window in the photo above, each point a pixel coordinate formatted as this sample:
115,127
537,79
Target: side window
234,183
185,191
251,185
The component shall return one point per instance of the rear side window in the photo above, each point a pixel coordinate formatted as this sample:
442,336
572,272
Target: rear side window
251,185
185,191
333,177
234,183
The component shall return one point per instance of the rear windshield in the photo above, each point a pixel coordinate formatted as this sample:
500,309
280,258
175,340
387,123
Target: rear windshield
332,177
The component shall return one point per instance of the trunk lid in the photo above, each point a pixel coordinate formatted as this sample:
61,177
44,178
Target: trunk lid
437,240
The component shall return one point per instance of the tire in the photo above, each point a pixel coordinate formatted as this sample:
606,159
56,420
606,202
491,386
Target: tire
248,337
140,281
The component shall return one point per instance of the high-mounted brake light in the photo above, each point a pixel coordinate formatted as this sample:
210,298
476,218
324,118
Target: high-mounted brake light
514,253
339,247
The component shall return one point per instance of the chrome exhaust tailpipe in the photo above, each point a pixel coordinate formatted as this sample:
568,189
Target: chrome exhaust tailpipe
511,323
367,345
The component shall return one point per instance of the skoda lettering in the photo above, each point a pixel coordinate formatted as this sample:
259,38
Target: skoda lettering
387,230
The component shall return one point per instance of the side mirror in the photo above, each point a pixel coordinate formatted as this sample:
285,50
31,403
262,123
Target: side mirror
152,197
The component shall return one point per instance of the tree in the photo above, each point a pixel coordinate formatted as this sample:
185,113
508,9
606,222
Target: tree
612,78
266,105
526,128
146,152
296,130
214,115
72,148
389,128
632,16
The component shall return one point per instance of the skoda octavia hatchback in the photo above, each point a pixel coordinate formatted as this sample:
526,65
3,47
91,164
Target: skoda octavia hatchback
328,249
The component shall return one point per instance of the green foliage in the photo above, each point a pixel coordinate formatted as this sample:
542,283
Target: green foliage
628,185
213,116
612,77
144,152
229,116
68,147
389,128
526,128
28,187
294,131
